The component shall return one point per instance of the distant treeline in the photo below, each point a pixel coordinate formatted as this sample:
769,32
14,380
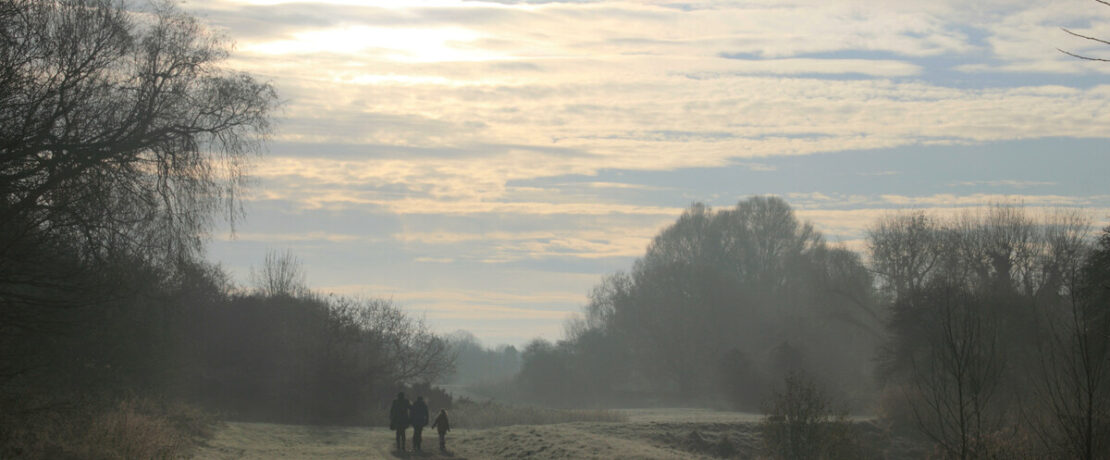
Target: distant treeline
477,366
987,333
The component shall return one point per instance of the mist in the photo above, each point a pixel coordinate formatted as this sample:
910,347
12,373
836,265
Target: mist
555,229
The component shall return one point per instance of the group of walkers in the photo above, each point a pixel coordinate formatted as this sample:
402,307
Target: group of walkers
402,414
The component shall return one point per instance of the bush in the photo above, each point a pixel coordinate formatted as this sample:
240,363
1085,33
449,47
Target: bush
800,423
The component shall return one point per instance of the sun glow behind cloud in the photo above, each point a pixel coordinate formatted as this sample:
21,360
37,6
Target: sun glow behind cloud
391,43
390,4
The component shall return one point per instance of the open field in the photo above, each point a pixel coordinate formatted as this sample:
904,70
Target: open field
648,434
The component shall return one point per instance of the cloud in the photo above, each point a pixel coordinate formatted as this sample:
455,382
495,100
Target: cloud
489,136
459,297
434,260
487,312
1004,183
619,185
798,66
981,199
500,247
878,173
286,237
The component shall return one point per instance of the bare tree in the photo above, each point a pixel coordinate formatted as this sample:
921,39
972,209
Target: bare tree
408,352
119,135
126,119
905,250
993,303
281,274
1075,377
959,374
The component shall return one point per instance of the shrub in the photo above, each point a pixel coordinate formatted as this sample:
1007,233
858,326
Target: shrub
800,423
131,428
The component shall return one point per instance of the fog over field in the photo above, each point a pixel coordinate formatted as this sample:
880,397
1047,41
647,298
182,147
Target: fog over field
554,229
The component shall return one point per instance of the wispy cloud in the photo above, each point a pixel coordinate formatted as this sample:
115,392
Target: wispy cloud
1003,183
285,237
981,199
434,260
878,173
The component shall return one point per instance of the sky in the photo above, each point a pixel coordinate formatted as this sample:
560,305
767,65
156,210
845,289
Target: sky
485,163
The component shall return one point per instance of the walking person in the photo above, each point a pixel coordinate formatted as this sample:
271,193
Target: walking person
399,419
419,417
442,425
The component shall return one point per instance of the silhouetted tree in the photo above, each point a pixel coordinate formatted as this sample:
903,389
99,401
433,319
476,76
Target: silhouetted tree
120,137
281,274
1076,361
905,250
1016,263
979,304
960,371
545,374
730,282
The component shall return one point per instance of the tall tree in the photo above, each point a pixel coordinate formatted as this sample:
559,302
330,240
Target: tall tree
1075,379
716,294
960,371
120,138
980,306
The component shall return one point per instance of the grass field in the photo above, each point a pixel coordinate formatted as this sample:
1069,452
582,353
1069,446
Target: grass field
644,434
650,434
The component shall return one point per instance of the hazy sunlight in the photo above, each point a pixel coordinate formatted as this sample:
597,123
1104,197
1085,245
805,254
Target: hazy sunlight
397,44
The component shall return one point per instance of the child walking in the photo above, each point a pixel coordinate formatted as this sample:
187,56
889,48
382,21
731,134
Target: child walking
442,426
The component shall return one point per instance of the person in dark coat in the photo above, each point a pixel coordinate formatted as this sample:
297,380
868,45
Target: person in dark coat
419,417
442,425
399,419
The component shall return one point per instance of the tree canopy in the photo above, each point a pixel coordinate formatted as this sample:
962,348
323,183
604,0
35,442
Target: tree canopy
722,299
121,136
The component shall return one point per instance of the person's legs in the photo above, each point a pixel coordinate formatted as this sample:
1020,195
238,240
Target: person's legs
416,438
401,439
442,440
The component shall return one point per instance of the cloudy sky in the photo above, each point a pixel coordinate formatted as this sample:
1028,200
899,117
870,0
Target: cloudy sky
484,163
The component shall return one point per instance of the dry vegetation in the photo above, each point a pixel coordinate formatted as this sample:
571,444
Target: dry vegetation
134,428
